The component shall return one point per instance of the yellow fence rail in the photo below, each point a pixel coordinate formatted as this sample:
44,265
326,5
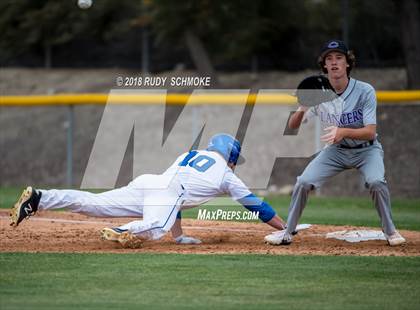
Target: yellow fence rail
175,99
70,100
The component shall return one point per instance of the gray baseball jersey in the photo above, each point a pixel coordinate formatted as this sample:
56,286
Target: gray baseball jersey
354,108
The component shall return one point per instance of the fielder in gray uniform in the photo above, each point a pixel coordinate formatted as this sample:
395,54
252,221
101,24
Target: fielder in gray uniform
351,140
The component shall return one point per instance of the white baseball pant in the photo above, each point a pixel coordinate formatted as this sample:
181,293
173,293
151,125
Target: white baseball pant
157,198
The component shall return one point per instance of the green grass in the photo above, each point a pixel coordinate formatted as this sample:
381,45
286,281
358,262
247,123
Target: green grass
340,211
319,210
353,211
140,281
8,196
134,281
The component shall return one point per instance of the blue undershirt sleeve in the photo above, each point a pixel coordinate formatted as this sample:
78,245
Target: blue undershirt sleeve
255,204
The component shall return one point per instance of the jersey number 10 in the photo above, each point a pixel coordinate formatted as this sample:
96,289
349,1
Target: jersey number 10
200,163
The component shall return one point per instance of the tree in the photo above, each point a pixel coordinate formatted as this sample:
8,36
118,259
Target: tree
37,23
409,14
43,24
224,31
187,21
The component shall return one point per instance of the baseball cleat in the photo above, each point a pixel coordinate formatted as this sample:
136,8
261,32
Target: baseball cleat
279,238
112,234
123,236
298,228
26,206
395,239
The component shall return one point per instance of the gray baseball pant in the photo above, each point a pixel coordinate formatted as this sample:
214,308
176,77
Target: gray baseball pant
331,161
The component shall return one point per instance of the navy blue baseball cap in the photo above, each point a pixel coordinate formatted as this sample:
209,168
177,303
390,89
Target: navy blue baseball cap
334,46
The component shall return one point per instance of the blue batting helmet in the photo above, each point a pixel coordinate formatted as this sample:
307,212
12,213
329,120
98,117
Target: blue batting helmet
227,146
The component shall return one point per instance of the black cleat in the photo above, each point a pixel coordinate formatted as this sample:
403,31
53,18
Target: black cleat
25,207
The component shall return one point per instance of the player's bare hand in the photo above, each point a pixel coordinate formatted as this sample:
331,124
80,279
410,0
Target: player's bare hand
334,134
302,108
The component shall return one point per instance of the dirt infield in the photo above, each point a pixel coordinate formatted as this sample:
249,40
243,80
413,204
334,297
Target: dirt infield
68,232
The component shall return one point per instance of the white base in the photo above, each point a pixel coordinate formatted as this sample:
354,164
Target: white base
356,235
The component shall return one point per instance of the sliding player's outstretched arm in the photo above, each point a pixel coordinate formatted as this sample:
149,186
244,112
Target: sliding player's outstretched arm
240,192
266,213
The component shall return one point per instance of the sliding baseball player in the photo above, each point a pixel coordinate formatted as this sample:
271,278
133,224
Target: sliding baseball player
193,179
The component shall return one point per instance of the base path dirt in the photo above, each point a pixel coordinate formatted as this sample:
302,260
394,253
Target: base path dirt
69,232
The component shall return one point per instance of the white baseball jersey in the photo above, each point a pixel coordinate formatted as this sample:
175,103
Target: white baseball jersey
206,175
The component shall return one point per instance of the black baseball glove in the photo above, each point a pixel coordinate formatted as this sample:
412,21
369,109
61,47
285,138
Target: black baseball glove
314,90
